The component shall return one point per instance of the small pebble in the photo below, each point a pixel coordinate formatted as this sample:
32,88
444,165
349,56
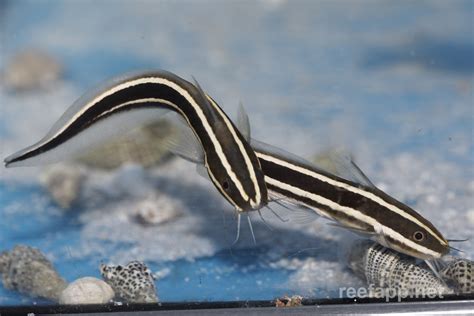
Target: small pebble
87,290
287,301
156,210
64,183
27,270
145,146
134,282
31,69
470,216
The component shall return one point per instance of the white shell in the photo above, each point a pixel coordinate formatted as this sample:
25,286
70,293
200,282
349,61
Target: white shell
87,290
157,209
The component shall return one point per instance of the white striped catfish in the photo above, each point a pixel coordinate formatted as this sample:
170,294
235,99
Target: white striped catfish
354,204
131,100
360,207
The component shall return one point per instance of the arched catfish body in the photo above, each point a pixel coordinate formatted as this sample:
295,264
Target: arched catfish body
130,100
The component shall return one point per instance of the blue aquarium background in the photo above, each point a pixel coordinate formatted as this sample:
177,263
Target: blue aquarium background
390,82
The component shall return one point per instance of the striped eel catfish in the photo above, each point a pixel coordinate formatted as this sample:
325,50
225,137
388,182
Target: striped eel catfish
360,207
128,101
356,205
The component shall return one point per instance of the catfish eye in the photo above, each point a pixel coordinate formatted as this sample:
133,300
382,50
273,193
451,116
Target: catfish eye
418,236
225,185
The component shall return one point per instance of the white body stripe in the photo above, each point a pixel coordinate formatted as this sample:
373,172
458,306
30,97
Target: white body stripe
354,213
350,188
250,167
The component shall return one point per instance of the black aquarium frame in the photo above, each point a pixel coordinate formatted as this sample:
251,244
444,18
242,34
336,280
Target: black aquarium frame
458,304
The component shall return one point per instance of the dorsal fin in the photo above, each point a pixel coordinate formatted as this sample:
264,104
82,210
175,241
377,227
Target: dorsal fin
204,98
273,150
243,122
341,163
334,162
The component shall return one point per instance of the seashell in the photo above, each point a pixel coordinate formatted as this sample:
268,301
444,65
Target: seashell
27,270
87,290
63,182
133,282
460,273
143,146
384,268
31,69
156,210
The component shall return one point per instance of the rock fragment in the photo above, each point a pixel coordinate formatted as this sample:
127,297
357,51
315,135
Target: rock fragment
286,301
63,182
144,146
157,209
27,270
31,69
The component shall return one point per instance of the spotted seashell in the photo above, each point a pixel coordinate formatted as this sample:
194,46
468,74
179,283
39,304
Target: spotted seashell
460,273
87,290
384,268
133,282
27,270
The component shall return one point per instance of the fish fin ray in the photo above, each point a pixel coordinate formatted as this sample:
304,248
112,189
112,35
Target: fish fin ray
358,231
205,98
341,163
273,150
184,142
108,128
298,213
243,122
202,171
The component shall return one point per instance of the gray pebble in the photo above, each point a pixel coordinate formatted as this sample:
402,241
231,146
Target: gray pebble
63,182
144,146
31,69
27,270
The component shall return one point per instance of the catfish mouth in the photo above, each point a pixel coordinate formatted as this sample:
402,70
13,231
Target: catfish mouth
254,206
251,206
